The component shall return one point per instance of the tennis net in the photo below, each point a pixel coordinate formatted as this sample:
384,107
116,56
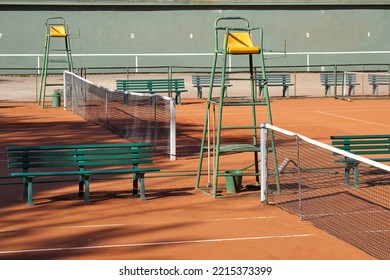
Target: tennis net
311,183
138,117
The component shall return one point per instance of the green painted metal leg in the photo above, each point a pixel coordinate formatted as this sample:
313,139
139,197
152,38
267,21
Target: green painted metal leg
200,94
25,188
346,174
86,194
374,89
205,124
30,191
142,186
81,187
356,176
126,99
178,98
285,91
135,185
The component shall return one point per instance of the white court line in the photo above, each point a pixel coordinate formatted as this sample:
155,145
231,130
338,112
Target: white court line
132,224
152,244
352,119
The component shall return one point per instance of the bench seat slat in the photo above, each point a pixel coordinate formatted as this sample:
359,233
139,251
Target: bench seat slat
81,146
77,164
76,156
85,172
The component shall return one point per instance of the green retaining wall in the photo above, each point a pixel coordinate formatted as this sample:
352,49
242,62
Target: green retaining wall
147,35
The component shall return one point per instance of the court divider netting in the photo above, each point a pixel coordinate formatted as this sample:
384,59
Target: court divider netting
312,185
137,117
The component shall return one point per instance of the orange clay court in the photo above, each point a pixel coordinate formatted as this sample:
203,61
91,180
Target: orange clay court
176,221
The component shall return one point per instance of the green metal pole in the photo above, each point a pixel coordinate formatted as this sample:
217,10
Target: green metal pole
206,119
220,113
253,107
42,91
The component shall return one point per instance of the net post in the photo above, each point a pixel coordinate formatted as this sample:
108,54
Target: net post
264,164
172,133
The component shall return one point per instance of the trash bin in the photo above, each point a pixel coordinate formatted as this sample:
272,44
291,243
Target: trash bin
56,98
233,180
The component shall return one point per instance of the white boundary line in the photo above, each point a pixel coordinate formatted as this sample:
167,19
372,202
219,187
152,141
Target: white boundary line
352,119
132,224
153,243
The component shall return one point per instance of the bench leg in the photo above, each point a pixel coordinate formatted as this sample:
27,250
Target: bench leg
348,167
86,183
126,99
25,188
81,187
260,91
351,90
200,94
356,176
374,89
178,98
346,174
30,191
285,91
327,88
142,186
225,93
135,185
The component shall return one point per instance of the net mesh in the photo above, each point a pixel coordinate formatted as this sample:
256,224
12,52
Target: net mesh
133,116
312,185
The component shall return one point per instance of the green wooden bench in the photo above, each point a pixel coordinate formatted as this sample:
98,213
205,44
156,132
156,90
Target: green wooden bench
84,161
374,147
283,80
154,86
377,80
328,81
201,81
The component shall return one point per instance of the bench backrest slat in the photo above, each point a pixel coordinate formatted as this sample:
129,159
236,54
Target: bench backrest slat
151,85
329,78
204,80
275,79
80,156
374,136
378,79
363,144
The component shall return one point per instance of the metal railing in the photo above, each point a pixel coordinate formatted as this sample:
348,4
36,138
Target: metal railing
21,84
